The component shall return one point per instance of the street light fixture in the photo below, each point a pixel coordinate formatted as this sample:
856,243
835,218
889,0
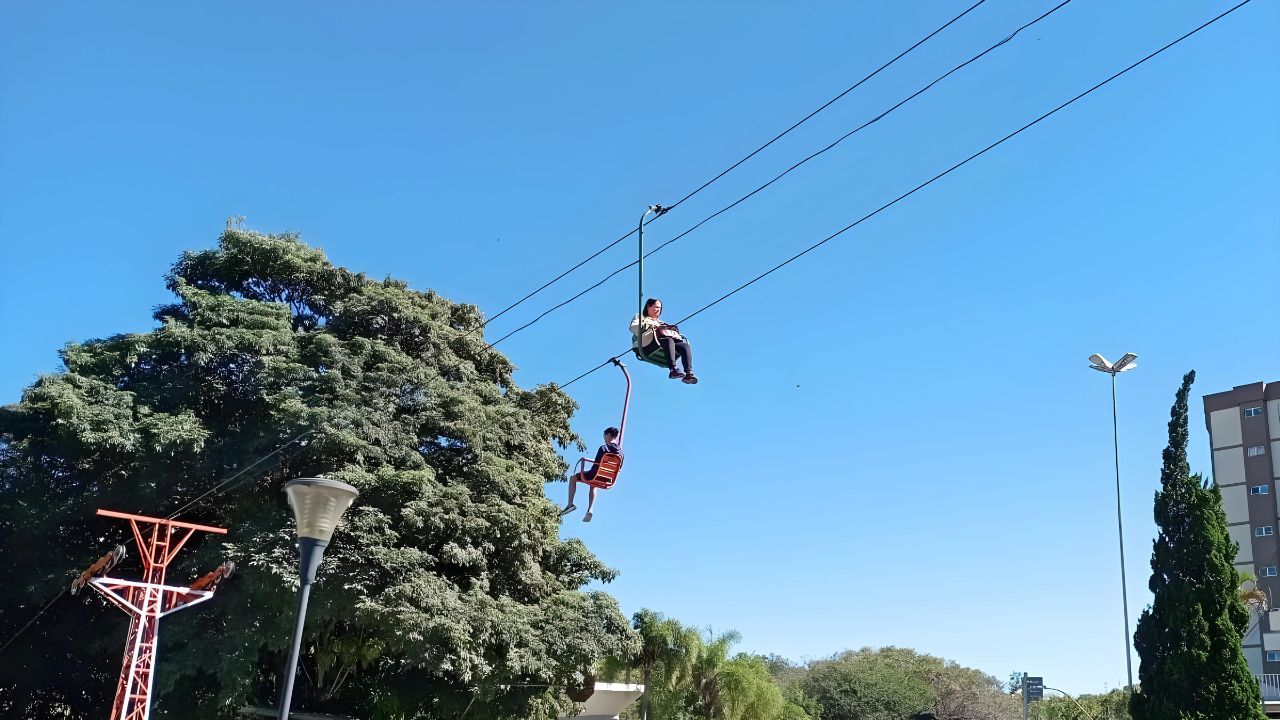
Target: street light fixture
318,505
1128,362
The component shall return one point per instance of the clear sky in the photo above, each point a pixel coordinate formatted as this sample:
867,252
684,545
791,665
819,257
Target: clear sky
897,439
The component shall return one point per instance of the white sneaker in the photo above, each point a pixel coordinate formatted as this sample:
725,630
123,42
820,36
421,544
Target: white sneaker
568,510
587,517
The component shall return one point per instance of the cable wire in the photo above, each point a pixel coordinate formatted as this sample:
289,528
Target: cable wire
249,479
33,619
930,181
729,169
783,174
246,469
828,104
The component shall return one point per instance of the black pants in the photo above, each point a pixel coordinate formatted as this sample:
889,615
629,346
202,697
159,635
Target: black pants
671,347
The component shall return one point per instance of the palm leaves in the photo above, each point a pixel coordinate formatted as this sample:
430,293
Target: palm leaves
1253,597
688,673
668,651
706,670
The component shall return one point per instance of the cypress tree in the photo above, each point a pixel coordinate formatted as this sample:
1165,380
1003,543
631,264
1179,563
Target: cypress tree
1189,639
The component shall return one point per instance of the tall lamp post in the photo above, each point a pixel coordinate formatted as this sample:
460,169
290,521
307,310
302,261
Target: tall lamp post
318,505
1128,362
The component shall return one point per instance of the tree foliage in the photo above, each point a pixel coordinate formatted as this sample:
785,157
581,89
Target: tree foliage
690,675
677,650
747,690
1255,598
1113,705
902,683
446,587
1189,640
868,685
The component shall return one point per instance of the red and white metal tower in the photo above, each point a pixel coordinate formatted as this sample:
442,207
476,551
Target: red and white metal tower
159,540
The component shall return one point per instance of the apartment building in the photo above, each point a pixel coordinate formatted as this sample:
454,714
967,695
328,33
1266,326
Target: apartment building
1244,434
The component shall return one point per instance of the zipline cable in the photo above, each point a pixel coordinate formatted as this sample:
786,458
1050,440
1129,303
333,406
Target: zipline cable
729,169
828,104
33,619
783,174
249,479
246,469
926,183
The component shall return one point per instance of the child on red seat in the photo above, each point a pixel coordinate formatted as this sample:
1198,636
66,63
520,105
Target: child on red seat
610,446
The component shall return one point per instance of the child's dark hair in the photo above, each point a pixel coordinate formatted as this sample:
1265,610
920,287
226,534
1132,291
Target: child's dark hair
611,432
650,303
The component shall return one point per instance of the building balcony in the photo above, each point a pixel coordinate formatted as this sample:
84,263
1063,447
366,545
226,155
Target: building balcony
1270,685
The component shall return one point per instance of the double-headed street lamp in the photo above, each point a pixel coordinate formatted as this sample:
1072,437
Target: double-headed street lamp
318,505
1128,362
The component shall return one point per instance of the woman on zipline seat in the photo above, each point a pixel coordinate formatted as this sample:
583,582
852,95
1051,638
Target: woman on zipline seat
669,338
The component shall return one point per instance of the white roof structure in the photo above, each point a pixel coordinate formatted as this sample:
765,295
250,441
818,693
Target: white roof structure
608,700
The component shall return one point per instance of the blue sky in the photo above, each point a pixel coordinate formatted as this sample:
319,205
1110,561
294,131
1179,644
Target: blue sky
897,439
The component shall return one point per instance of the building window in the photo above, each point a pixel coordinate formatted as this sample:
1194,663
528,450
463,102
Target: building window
1269,571
1263,531
1260,490
1273,656
1253,411
1257,450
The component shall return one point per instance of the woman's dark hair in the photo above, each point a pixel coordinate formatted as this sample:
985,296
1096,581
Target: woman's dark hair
611,432
648,304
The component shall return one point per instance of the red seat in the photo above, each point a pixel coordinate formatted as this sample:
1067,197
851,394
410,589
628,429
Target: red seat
606,471
610,463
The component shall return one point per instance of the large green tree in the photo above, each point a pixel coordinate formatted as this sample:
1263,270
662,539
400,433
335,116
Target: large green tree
1189,639
894,683
866,686
446,590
